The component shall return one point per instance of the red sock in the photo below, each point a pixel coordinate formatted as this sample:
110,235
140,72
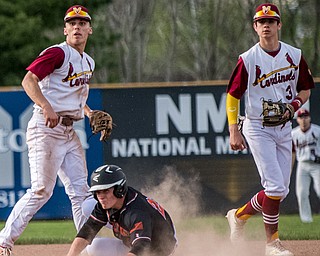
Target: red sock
252,207
270,212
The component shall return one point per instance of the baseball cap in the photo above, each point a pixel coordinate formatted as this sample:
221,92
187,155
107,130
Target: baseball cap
77,11
267,11
303,112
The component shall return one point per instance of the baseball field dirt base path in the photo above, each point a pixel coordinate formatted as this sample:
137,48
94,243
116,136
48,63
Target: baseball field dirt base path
204,248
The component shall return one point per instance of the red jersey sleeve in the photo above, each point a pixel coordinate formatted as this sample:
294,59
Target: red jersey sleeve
47,62
239,80
305,80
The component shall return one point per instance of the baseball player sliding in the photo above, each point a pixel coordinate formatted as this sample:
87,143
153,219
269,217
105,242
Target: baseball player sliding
57,82
141,226
273,77
306,144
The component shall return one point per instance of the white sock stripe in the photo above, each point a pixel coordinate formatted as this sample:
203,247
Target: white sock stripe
254,201
270,219
270,222
270,216
255,204
258,209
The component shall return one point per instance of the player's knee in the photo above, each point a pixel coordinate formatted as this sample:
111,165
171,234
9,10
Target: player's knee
88,206
43,192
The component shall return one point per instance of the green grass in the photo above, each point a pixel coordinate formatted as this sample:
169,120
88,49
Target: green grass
47,232
293,229
290,227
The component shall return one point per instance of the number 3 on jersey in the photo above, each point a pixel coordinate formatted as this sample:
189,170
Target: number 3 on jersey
289,95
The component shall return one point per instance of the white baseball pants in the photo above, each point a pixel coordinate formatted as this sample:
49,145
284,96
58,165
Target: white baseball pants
105,246
306,172
271,148
52,152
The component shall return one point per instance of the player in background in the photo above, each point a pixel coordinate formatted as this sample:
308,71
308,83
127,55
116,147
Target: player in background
270,70
57,81
306,145
141,226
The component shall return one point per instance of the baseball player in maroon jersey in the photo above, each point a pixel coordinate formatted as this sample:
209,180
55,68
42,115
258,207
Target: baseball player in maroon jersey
306,145
270,70
57,82
141,226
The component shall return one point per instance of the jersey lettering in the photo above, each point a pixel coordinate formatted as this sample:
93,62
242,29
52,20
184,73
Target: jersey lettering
276,79
73,77
157,206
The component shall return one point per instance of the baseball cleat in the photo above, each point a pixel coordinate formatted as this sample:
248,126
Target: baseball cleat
236,226
5,251
275,248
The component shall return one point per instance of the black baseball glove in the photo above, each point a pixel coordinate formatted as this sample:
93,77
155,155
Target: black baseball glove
101,121
273,112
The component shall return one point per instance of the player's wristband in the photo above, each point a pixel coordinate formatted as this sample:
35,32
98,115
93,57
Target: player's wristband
296,103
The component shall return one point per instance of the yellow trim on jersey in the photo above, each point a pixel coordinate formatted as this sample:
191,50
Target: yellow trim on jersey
232,108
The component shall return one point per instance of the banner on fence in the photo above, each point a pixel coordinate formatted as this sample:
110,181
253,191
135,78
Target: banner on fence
181,128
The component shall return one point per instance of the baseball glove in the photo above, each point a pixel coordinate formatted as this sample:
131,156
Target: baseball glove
273,113
101,121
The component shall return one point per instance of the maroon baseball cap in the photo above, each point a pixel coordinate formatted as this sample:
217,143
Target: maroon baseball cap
77,12
267,11
303,112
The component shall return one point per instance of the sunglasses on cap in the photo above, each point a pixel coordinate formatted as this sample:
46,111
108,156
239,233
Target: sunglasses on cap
77,12
267,11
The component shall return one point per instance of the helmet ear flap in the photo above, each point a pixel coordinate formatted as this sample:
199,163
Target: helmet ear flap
120,190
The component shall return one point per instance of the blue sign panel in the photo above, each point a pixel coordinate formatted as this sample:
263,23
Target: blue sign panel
180,128
15,111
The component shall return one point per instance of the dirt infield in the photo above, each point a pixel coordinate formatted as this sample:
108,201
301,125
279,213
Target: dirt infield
214,248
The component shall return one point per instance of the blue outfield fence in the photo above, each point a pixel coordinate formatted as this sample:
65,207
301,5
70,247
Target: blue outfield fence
15,111
158,125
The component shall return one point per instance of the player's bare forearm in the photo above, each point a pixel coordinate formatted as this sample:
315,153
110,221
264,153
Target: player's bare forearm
31,87
297,102
77,246
131,254
293,159
236,140
87,110
304,95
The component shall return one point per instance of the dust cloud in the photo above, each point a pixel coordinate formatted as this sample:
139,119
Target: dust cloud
181,197
177,194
